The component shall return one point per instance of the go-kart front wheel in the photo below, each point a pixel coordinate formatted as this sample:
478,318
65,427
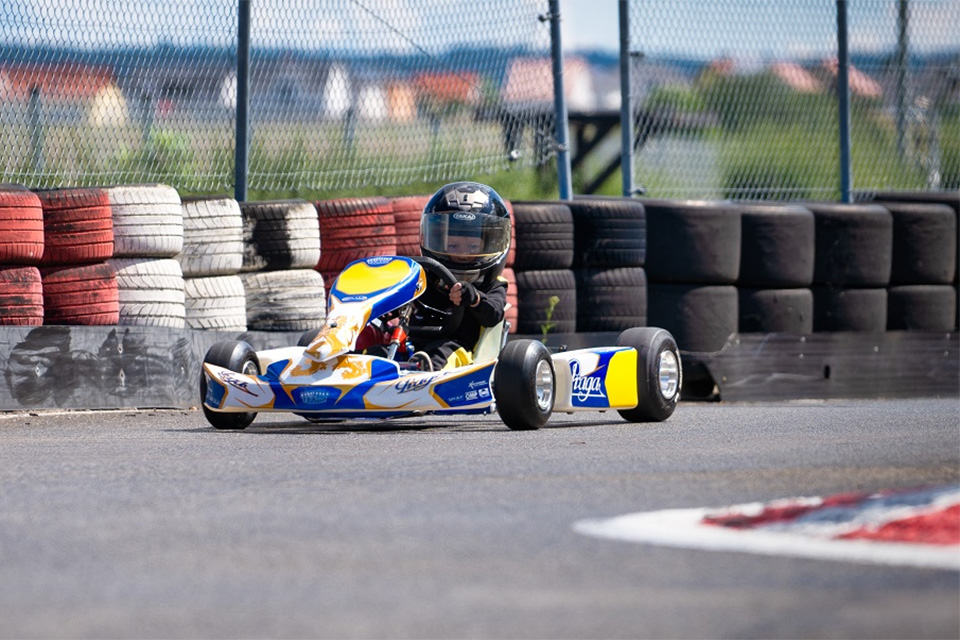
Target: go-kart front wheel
524,385
659,373
234,355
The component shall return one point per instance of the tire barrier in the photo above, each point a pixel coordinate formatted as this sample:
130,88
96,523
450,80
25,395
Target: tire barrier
609,232
293,300
700,317
921,307
854,244
217,303
21,296
546,302
21,219
692,242
354,228
863,310
406,214
150,292
80,295
777,245
212,237
147,221
924,243
611,299
77,226
543,236
278,235
775,310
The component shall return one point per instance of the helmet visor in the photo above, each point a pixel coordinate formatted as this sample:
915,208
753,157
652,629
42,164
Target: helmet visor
470,239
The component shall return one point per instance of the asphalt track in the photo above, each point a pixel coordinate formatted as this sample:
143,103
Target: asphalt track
150,524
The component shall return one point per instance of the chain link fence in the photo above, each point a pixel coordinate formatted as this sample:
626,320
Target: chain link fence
737,98
343,93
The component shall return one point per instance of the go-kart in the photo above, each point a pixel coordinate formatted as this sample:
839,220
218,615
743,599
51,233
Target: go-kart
325,378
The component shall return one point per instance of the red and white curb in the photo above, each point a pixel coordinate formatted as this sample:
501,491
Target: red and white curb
918,528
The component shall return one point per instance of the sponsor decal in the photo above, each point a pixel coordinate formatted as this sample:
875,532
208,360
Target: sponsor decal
317,395
464,216
237,383
377,261
414,384
356,298
915,527
588,385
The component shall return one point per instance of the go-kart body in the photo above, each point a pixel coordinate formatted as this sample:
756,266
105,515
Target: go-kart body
328,379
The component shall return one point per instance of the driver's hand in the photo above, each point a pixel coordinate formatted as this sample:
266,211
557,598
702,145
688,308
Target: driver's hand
464,292
456,293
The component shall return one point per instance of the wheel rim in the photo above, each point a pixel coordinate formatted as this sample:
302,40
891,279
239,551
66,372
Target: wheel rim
544,385
250,368
668,369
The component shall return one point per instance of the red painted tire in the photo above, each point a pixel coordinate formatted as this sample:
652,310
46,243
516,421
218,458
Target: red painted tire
354,228
78,226
80,295
21,219
21,296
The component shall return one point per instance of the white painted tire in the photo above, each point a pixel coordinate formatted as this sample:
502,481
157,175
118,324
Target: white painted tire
150,291
147,221
292,300
216,303
212,237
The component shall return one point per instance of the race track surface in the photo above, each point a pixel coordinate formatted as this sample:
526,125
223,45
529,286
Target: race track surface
151,524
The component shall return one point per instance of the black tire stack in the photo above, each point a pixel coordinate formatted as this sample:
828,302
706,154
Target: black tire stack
281,248
852,259
693,262
545,284
923,292
610,249
776,268
211,260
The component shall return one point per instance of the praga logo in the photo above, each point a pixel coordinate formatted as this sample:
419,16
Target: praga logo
586,386
378,260
238,383
414,385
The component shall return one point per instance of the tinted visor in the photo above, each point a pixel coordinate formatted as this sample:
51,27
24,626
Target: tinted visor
470,239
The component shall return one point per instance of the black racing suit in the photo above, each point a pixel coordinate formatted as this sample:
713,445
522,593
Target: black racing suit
488,311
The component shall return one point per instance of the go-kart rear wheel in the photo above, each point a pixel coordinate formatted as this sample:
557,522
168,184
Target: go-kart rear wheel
524,385
238,356
659,373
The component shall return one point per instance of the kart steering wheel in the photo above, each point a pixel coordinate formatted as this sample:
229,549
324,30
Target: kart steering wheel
440,277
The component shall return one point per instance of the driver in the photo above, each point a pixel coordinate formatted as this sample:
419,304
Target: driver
466,228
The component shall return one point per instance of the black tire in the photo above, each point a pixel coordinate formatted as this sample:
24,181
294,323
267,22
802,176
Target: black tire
776,246
863,310
611,299
234,355
853,245
658,383
515,385
279,235
700,317
308,336
692,242
924,243
534,291
544,236
776,311
921,307
608,232
949,198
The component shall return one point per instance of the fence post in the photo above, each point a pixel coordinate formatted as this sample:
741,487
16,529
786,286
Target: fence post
626,103
241,153
843,99
560,104
36,130
901,62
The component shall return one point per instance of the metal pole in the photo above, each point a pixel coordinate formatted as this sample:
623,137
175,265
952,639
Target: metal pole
241,158
843,97
560,105
34,108
902,22
626,103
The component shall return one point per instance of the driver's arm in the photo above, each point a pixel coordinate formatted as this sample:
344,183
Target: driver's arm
486,306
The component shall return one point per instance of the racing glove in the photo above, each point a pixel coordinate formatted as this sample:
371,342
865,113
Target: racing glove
469,293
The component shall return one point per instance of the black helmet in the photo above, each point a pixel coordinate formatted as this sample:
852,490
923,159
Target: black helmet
466,227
